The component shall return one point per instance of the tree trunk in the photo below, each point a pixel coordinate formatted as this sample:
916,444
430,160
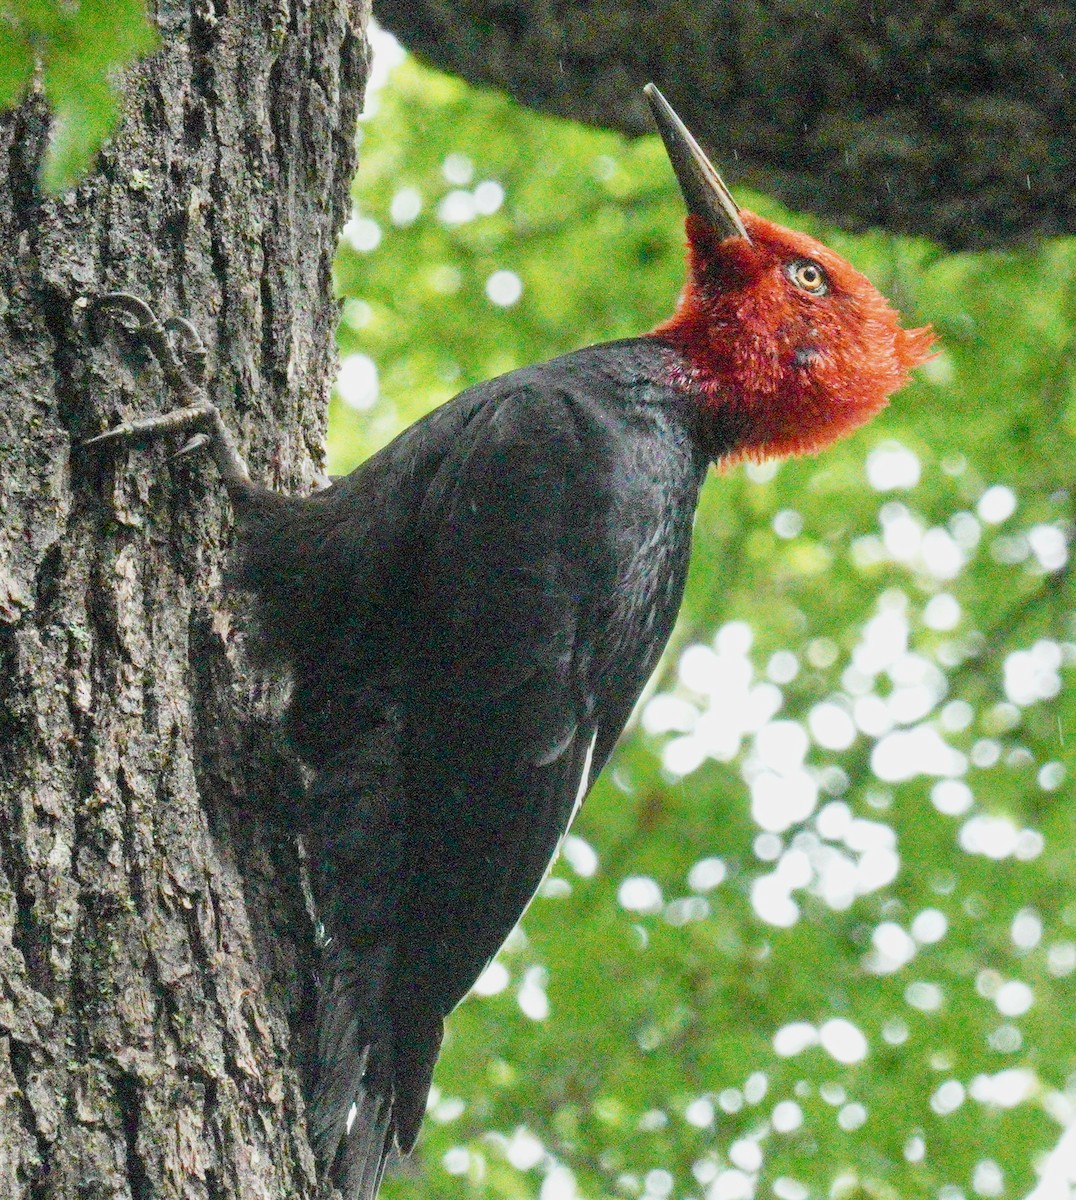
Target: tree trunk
156,954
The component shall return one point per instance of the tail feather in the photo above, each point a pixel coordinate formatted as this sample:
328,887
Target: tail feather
345,1032
417,1047
375,1062
367,1146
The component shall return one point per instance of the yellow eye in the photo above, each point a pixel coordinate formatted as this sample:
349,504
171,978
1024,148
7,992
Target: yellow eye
809,276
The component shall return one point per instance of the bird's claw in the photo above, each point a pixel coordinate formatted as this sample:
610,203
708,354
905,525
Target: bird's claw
174,343
191,445
181,353
179,420
190,348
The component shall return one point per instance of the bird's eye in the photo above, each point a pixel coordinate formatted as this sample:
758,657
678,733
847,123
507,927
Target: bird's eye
809,276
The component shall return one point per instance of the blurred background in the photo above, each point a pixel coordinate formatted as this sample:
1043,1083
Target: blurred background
814,932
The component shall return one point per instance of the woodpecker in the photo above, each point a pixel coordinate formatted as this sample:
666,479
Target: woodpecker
488,596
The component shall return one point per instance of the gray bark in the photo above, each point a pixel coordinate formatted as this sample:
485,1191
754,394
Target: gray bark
950,121
156,955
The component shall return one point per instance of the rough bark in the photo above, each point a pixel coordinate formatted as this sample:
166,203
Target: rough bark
155,950
952,121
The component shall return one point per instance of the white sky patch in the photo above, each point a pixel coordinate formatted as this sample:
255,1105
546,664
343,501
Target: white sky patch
834,819
891,466
580,855
926,997
1014,998
780,801
666,713
559,1184
941,554
405,206
356,314
831,726
918,687
988,1179
852,1117
996,504
794,1038
915,1148
966,529
771,898
706,874
362,234
787,1116
700,1113
1049,545
929,926
902,534
1057,1172
1005,1090
456,1160
746,1154
893,948
783,666
1026,931
872,716
658,1182
504,288
1061,959
357,382
884,640
952,797
948,1098
783,793
787,523
457,207
524,1150
386,56
731,1185
843,1041
730,705
703,671
458,169
997,837
906,753
956,716
494,979
488,197
767,847
1051,776
532,998
640,893
1033,675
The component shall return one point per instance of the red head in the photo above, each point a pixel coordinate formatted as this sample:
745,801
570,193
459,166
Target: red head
790,346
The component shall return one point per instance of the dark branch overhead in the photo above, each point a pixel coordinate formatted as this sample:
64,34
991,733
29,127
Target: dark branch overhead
951,121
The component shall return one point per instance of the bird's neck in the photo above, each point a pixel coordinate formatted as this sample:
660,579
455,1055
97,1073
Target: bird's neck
734,384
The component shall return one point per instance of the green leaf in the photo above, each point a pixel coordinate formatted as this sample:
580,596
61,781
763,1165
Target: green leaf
81,49
16,62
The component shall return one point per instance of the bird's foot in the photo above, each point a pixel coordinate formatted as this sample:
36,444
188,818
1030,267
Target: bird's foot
181,354
175,343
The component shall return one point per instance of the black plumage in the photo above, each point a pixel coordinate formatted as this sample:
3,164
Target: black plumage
483,601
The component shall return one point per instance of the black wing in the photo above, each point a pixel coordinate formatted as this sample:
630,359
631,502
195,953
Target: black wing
501,717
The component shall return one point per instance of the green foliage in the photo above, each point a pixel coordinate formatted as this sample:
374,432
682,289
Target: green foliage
78,47
814,933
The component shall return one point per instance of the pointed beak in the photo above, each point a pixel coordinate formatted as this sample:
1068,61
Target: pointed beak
704,191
